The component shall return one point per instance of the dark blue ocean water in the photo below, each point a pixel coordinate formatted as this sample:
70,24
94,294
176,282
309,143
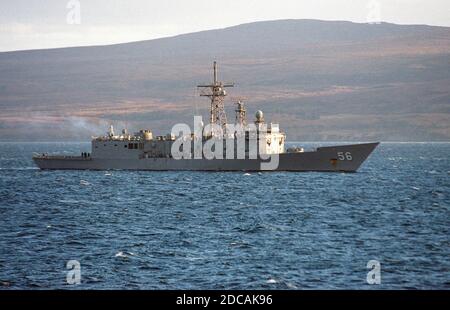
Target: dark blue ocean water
193,230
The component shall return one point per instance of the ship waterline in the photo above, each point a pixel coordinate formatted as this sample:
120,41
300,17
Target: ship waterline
331,159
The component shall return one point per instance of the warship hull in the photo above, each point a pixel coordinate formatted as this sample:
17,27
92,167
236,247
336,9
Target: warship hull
344,158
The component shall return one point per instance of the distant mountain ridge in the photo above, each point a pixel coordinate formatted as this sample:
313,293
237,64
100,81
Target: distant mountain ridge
320,80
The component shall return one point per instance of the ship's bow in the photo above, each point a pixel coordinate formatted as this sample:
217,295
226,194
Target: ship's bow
347,158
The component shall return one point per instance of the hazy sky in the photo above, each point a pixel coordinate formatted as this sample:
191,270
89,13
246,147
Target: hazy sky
31,24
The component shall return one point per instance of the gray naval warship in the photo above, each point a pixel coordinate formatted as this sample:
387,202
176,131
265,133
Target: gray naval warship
253,146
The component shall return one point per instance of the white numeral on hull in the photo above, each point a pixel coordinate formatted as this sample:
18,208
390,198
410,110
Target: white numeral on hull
344,156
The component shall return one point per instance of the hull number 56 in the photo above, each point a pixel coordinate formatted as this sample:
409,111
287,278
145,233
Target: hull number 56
344,156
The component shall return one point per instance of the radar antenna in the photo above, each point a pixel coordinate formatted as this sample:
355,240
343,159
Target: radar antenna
241,113
216,92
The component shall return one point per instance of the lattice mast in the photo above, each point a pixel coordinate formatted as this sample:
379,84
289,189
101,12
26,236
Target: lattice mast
216,92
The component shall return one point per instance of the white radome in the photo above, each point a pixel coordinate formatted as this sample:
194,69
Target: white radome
259,115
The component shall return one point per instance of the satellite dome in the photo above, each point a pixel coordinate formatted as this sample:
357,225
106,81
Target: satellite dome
259,116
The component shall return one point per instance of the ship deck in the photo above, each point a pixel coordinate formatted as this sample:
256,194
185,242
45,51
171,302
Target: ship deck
62,157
